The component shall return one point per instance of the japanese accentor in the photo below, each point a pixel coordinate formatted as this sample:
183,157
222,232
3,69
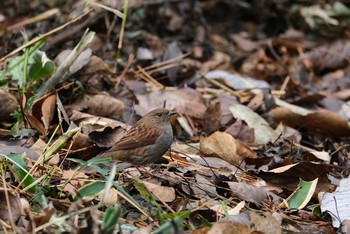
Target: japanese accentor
146,141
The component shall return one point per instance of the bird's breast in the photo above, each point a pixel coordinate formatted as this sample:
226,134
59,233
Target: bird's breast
163,142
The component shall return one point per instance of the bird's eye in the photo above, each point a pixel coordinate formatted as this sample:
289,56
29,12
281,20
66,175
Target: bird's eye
159,114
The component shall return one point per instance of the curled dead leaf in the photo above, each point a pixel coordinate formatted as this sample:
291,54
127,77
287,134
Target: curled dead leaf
322,122
223,145
48,110
42,112
90,123
100,105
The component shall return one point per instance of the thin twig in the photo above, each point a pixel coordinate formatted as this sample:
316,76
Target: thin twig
8,203
35,40
147,77
121,35
167,64
131,59
43,16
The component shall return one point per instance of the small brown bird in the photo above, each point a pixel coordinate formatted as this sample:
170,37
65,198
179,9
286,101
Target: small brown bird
146,141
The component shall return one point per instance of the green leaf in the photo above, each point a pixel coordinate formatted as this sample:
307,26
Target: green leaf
99,160
91,163
40,197
110,218
20,170
17,64
181,214
90,190
81,162
318,212
100,170
42,67
109,183
302,194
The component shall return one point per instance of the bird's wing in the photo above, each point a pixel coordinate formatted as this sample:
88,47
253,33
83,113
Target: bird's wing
137,136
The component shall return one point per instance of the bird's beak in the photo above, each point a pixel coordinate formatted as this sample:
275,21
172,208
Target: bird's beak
172,113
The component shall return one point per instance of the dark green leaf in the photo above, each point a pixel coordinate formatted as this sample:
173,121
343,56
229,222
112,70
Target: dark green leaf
21,170
42,67
90,190
110,218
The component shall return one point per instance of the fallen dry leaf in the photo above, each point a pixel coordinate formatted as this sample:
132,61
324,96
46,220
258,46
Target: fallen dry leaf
111,198
81,61
316,156
10,211
218,61
48,109
241,131
244,43
102,105
236,81
8,104
172,52
20,150
90,123
74,183
107,137
202,186
288,133
250,193
329,56
226,227
42,112
288,176
225,102
338,202
95,65
44,215
322,122
212,118
265,223
230,211
161,193
223,145
39,146
263,132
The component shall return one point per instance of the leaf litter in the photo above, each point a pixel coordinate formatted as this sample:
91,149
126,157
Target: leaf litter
263,107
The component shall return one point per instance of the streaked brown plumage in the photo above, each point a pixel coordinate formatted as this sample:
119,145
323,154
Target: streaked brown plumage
146,141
